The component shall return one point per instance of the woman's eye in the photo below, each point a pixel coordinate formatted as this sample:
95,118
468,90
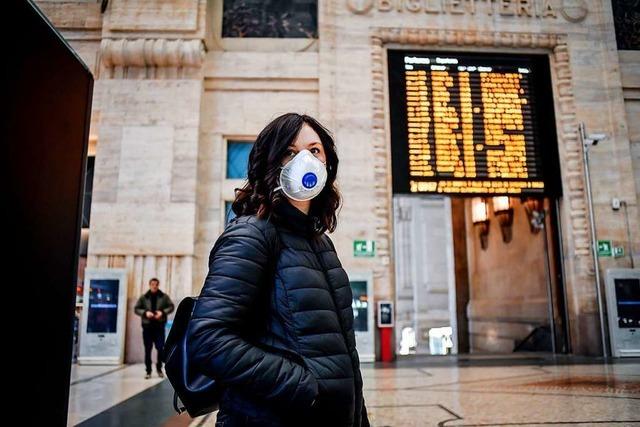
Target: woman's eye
291,153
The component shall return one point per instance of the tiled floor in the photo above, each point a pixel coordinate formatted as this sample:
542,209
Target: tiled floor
95,389
430,393
517,395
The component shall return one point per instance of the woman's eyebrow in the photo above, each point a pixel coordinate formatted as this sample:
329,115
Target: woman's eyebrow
293,147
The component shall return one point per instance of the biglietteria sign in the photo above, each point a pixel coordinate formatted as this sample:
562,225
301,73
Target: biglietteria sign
570,10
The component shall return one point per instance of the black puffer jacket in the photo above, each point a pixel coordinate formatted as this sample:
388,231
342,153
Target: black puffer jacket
281,345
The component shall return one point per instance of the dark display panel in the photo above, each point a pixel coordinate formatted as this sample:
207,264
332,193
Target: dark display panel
628,302
360,305
472,124
103,306
386,314
46,106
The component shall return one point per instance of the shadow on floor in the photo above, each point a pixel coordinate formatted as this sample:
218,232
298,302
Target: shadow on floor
153,407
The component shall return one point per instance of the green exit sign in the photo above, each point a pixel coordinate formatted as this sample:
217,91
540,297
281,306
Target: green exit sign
605,248
364,248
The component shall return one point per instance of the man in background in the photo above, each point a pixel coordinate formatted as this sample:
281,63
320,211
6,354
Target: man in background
153,307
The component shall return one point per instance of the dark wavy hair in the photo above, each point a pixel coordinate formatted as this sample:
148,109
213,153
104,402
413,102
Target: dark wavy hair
257,195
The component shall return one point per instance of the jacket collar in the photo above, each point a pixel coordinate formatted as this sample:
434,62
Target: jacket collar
148,294
292,218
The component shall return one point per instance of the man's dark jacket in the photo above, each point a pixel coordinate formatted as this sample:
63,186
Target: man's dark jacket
278,345
163,303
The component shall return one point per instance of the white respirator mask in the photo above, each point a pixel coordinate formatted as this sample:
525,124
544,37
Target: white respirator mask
303,177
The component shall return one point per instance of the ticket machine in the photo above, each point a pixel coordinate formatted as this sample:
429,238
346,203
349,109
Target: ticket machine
103,322
623,306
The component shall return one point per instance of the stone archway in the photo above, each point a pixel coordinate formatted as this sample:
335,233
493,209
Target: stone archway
577,256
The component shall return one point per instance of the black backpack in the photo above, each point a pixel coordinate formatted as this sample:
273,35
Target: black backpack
198,393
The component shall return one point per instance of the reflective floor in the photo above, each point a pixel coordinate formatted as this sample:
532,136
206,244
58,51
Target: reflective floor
102,395
470,391
515,395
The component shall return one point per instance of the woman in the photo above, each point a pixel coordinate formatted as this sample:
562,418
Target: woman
274,322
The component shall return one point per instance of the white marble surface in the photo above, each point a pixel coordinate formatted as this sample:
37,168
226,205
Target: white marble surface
528,395
423,395
581,395
97,388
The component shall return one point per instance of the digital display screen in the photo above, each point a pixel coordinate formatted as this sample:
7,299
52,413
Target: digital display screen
103,306
360,305
628,302
472,124
386,314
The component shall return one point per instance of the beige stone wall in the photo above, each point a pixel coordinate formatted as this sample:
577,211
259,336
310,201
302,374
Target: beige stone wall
630,73
147,59
242,94
589,90
160,100
144,205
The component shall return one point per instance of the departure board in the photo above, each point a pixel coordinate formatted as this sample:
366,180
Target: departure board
470,124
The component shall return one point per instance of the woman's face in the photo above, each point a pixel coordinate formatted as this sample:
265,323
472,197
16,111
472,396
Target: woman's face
309,139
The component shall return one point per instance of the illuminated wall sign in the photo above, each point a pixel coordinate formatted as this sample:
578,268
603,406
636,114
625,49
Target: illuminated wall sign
472,124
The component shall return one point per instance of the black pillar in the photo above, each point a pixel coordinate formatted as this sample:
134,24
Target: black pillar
46,103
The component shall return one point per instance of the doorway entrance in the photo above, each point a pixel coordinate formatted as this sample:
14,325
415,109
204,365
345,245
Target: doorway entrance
477,275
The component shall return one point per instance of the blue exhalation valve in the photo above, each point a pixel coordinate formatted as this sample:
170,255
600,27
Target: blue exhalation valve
309,180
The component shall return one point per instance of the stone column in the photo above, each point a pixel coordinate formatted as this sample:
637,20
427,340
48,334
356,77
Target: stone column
147,103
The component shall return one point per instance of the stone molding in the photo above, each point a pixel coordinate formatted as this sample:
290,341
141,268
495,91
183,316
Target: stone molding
575,215
434,37
173,271
154,15
152,53
259,84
